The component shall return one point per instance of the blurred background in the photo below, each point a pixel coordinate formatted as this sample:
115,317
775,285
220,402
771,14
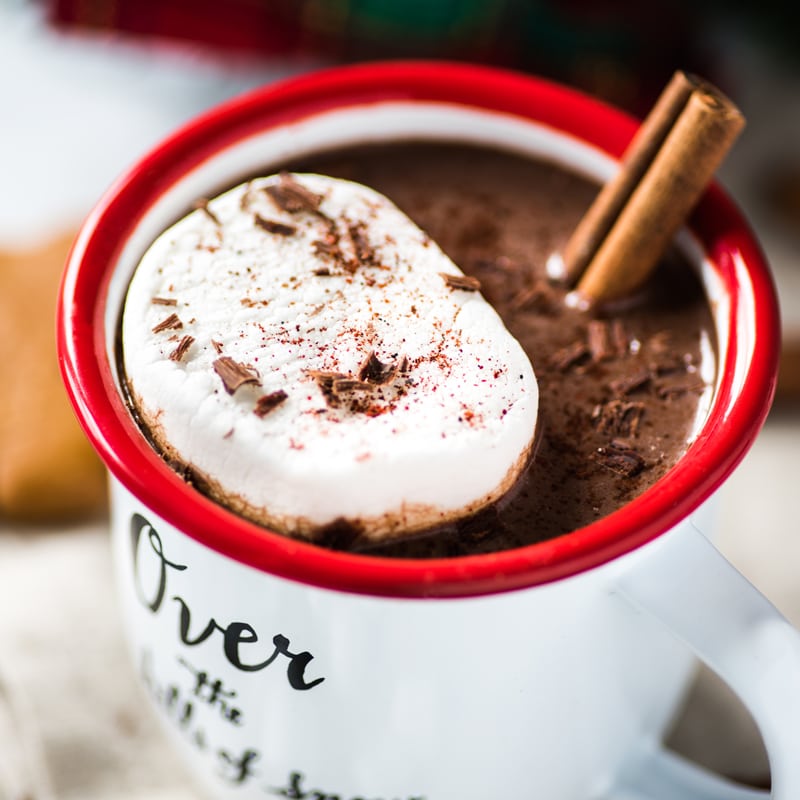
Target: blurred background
87,86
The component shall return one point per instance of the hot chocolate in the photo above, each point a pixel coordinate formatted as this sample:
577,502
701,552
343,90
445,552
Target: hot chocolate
620,393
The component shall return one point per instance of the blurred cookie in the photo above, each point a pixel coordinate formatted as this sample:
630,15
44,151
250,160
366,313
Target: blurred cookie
48,471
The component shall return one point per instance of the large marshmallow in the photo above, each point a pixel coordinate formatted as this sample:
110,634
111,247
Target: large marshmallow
442,429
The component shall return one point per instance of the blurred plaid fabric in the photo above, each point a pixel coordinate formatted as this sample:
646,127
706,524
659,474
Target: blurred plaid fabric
620,51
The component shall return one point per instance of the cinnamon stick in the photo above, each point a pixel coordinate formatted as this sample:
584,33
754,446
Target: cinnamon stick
597,222
666,169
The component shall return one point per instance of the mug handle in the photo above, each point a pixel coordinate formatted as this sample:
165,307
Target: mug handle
689,586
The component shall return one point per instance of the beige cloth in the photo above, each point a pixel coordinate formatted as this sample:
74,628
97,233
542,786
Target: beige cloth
73,723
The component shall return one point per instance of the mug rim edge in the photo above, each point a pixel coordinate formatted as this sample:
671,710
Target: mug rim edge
725,437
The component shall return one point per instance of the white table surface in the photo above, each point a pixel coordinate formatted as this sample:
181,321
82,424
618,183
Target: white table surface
80,719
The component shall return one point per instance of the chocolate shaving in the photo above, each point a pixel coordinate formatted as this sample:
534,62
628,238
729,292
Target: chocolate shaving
669,366
291,196
180,351
247,197
202,205
331,235
330,246
269,402
325,381
660,342
620,337
537,297
216,345
620,458
362,248
342,385
322,272
164,301
666,392
273,226
499,264
334,384
325,377
630,383
375,371
233,374
172,322
465,283
569,356
598,338
618,417
325,247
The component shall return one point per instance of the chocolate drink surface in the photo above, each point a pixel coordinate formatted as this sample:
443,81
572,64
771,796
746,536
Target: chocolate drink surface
620,393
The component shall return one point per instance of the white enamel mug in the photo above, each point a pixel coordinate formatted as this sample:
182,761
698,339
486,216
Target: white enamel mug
281,669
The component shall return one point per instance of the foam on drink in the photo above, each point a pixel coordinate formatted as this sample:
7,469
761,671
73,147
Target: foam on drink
312,357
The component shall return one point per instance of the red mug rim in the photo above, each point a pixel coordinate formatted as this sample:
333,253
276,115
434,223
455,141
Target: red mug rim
735,419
